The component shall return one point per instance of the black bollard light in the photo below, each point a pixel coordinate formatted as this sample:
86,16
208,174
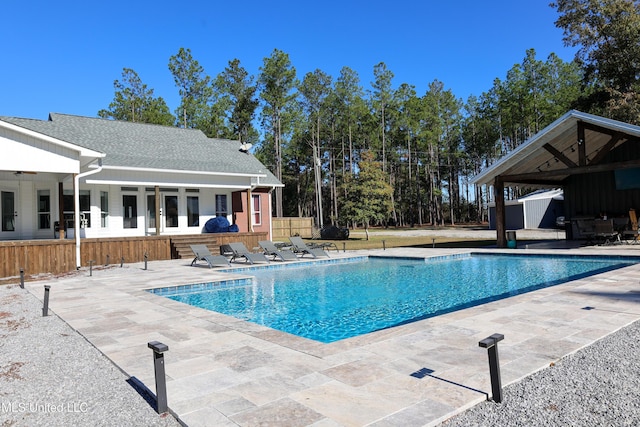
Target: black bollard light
344,247
107,262
158,367
491,344
22,278
146,257
384,245
121,261
433,242
45,308
91,267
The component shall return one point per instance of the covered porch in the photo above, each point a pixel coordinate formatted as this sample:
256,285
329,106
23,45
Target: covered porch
595,161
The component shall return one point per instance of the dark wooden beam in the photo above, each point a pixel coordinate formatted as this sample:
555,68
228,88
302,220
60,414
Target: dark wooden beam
582,151
542,176
597,128
535,181
607,148
558,154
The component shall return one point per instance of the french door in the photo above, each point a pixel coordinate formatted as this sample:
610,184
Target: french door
169,212
8,209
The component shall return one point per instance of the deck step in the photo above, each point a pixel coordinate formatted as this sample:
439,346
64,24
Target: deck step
180,245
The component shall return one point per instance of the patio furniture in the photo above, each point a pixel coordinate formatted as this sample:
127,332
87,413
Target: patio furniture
299,246
202,253
323,246
632,232
270,249
605,232
240,251
586,230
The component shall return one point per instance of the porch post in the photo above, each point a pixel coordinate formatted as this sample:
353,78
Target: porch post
500,213
157,190
61,210
270,215
249,212
76,217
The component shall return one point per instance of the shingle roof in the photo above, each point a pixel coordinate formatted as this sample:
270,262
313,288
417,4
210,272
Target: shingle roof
140,145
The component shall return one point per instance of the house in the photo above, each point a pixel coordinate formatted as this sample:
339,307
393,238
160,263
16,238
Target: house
593,159
538,209
77,177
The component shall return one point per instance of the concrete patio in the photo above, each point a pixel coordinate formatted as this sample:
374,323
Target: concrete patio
225,372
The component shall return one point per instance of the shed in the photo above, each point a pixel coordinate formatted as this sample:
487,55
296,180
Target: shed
538,209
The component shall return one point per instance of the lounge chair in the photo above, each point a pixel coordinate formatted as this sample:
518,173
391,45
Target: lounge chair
272,250
299,246
632,232
226,251
241,251
586,230
605,232
323,245
202,253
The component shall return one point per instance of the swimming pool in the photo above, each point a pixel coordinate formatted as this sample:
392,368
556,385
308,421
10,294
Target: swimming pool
338,300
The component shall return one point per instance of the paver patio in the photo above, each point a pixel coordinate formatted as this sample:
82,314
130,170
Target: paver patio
223,371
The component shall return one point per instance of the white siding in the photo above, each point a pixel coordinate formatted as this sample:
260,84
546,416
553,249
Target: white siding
24,153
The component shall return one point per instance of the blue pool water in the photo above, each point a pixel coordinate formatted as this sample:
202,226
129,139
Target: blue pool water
339,300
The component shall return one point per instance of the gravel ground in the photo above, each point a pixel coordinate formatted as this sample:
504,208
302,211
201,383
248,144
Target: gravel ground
51,376
598,385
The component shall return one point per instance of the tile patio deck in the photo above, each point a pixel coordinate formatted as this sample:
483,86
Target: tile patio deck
225,372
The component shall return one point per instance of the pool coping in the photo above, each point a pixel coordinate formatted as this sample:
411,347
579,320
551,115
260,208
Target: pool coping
231,372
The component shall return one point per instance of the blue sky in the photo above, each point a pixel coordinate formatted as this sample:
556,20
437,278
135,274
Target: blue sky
64,56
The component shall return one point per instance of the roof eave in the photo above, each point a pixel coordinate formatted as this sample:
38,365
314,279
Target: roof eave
82,151
567,120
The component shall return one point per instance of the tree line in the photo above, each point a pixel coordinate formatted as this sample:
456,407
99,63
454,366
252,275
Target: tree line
384,154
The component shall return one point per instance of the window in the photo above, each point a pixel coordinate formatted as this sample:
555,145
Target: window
130,207
221,205
69,209
257,214
193,211
104,209
171,211
44,210
7,201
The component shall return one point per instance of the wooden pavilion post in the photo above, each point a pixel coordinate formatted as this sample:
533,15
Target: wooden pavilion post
501,223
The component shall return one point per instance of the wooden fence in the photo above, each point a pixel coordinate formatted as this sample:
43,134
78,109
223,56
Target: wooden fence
59,256
36,256
285,227
132,249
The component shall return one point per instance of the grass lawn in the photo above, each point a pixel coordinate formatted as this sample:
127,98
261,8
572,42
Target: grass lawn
376,242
